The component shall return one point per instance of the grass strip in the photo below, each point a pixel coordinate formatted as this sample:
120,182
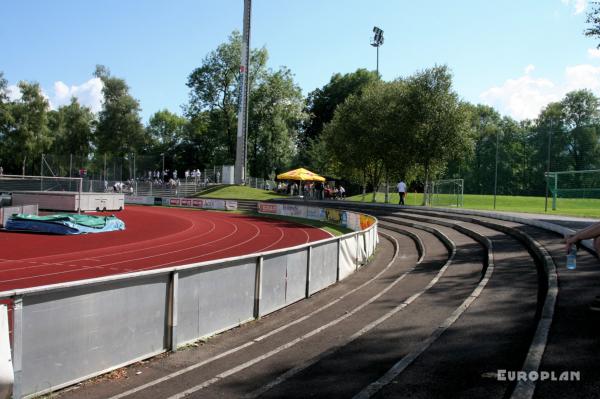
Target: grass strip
333,229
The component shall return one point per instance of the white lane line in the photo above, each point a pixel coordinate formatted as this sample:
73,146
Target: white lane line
293,371
172,252
49,274
406,361
281,236
256,234
264,336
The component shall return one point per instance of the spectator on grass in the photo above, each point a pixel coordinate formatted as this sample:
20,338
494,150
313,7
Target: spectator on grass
342,192
1,170
401,191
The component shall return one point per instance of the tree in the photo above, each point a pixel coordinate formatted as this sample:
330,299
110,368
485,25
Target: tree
593,18
357,135
321,103
6,119
165,130
27,137
119,130
438,120
72,127
477,166
214,88
274,118
581,117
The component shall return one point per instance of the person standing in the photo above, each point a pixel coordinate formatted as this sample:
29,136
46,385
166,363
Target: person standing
401,191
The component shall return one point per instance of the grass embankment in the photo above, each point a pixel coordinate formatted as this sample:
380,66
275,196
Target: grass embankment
330,228
581,207
240,193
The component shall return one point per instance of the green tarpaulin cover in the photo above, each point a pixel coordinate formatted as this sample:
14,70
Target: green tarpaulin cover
96,222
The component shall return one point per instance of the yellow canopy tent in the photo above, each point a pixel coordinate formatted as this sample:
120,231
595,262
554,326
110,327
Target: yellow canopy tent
300,174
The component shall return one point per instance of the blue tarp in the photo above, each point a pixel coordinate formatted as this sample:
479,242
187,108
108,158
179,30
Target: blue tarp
64,224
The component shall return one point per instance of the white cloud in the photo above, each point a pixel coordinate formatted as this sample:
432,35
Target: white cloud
583,76
529,68
579,6
593,53
88,94
526,96
13,92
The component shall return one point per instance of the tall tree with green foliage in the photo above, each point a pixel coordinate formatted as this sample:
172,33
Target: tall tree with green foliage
358,136
27,136
119,131
214,88
73,129
165,130
6,119
581,118
476,166
274,119
438,120
322,102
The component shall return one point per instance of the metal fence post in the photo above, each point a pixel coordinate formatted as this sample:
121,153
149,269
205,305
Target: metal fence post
173,294
18,346
339,256
258,286
356,262
309,253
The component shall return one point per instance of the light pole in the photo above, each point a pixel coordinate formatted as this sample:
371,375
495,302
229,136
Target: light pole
548,167
242,127
496,168
377,41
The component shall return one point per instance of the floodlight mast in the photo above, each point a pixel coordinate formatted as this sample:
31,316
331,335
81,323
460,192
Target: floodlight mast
377,41
242,127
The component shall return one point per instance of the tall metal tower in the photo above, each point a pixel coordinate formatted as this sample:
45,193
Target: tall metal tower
242,127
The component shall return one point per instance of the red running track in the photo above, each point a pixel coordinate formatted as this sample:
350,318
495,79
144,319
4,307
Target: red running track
155,237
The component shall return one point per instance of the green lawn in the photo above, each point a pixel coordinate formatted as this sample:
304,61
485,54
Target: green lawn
564,206
241,193
331,228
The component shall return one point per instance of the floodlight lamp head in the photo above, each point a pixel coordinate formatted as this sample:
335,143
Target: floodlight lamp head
378,37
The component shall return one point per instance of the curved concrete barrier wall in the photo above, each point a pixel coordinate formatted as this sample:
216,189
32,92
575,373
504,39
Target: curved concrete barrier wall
65,333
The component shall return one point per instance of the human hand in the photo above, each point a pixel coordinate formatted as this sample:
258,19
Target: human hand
569,240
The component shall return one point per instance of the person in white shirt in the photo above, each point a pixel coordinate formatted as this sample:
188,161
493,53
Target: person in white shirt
401,191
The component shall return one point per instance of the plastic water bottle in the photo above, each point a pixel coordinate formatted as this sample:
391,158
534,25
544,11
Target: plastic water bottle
572,257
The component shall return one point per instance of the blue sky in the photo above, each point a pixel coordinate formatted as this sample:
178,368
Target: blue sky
514,55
